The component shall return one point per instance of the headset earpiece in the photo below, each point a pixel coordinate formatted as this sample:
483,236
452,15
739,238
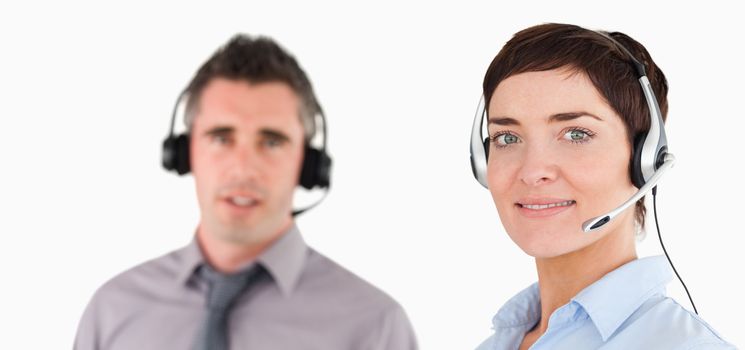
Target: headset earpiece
637,178
486,148
316,171
176,154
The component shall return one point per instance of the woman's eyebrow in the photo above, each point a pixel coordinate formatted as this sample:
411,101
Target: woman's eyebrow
503,121
562,117
559,117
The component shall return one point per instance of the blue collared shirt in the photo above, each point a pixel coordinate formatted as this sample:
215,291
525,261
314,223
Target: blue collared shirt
626,309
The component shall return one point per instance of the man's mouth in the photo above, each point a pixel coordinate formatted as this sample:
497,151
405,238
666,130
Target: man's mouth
241,201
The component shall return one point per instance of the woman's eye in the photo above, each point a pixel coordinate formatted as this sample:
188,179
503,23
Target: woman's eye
505,139
578,135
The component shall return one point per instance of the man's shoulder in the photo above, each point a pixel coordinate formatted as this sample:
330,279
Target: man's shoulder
125,297
370,315
324,276
144,279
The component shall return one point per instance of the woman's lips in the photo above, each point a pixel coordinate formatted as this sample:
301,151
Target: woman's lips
545,209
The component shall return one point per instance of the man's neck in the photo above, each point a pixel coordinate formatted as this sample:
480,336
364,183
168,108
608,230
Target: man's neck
228,256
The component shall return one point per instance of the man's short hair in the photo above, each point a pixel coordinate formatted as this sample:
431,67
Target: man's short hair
254,60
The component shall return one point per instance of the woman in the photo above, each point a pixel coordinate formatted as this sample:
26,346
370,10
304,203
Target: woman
571,136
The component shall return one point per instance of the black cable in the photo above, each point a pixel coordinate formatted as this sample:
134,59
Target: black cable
654,202
297,212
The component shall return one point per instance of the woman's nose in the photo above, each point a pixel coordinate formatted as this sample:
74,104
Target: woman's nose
538,167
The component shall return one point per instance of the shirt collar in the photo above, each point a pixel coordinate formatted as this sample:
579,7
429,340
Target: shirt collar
284,259
608,302
613,298
189,258
522,310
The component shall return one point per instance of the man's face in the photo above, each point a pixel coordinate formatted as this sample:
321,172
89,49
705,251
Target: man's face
246,153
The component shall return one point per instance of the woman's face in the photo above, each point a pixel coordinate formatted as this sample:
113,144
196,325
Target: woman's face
558,156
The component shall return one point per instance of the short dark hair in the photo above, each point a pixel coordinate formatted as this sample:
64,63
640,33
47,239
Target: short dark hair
255,60
553,45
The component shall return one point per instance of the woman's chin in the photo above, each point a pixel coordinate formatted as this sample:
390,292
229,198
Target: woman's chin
547,245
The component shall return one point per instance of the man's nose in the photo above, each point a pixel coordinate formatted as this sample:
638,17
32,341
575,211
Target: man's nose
246,162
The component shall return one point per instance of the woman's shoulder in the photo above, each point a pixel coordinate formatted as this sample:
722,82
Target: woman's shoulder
669,326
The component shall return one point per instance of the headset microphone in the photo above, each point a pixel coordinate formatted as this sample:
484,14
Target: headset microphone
601,220
650,159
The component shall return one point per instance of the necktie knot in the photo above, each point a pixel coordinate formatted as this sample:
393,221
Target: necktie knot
225,288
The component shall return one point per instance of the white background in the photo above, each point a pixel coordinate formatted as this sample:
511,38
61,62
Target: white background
86,92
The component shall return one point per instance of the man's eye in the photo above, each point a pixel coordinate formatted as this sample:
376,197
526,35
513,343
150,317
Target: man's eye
220,139
273,142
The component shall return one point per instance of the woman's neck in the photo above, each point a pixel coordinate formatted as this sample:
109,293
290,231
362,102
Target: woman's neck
561,278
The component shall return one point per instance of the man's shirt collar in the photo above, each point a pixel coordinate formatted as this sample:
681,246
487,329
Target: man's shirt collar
284,260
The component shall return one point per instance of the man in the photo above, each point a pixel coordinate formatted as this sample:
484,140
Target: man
247,280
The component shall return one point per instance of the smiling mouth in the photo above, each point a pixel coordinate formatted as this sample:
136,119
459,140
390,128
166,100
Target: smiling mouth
241,201
547,206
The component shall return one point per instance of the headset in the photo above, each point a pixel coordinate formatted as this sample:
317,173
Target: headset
649,161
316,168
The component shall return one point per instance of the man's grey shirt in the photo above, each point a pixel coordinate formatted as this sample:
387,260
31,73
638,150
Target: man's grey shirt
304,301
